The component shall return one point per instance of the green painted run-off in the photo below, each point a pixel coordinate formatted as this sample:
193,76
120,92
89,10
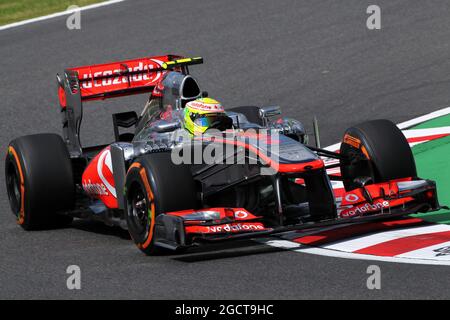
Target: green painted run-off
433,162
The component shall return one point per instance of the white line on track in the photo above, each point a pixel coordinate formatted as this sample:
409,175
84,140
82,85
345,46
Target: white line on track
296,247
413,133
407,124
362,242
59,14
430,116
429,252
355,256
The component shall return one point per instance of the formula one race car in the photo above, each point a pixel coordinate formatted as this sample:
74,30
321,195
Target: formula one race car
252,175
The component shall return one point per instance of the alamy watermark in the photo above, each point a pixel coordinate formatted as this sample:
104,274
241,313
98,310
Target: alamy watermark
73,21
374,20
252,147
374,280
73,282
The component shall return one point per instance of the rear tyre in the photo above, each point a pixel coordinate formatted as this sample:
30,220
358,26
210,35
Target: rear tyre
377,151
155,185
39,181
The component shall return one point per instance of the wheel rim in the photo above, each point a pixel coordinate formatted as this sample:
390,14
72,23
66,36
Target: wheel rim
139,210
13,188
361,167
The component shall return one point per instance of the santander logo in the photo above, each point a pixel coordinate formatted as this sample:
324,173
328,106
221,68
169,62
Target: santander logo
95,188
98,179
105,164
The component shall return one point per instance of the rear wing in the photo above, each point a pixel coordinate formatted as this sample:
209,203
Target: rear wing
109,80
121,78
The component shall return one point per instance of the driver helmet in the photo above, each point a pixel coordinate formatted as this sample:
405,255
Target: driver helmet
203,114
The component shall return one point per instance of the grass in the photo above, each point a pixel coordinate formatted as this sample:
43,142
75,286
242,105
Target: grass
18,10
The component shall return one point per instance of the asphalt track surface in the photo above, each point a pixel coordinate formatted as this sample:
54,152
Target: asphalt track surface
310,57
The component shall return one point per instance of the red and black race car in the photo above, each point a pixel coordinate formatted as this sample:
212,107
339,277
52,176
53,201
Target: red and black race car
268,181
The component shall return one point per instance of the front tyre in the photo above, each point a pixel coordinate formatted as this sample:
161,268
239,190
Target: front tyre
375,151
155,185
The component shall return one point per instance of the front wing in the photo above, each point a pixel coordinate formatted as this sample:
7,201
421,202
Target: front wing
380,201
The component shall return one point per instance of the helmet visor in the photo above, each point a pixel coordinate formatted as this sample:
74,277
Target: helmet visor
207,120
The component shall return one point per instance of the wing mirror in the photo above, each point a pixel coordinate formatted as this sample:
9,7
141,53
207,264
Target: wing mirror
167,126
59,80
268,112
